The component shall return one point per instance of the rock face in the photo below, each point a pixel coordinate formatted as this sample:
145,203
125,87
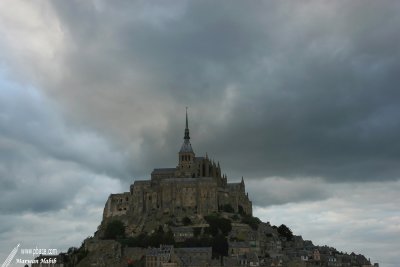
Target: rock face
103,253
195,186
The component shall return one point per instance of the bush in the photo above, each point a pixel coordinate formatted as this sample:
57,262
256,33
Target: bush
114,229
285,231
218,224
76,254
154,240
253,222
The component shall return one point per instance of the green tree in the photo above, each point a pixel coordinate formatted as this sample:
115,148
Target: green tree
212,220
220,245
114,229
285,231
225,226
218,224
253,222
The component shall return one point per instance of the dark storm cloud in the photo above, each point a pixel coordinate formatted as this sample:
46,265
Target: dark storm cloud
302,89
294,96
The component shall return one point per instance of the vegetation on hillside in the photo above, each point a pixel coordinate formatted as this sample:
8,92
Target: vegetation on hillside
253,222
214,236
114,229
74,256
285,231
218,225
153,240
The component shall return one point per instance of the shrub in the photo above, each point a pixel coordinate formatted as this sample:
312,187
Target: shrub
114,229
285,231
154,240
218,224
253,222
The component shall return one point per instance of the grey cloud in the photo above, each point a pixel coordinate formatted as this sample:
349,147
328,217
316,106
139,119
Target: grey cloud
356,218
31,122
275,89
45,162
278,191
39,183
316,90
59,230
302,89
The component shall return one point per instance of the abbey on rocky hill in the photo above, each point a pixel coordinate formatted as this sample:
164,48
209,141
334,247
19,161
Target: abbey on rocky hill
195,186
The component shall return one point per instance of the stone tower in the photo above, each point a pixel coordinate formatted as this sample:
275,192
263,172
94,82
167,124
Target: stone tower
186,166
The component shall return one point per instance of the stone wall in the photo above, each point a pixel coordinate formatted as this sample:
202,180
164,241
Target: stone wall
177,195
117,205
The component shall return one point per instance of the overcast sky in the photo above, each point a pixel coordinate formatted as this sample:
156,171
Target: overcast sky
300,97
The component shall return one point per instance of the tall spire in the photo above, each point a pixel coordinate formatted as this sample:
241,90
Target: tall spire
187,124
187,137
186,146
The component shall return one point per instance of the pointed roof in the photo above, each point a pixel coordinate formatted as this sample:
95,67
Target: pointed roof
187,127
186,146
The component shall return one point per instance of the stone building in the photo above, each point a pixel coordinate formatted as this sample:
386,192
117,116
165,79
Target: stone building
163,256
196,185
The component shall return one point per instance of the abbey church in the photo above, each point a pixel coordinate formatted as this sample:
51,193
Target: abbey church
195,186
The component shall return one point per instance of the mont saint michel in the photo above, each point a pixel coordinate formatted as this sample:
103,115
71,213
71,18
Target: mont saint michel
195,186
192,216
290,154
